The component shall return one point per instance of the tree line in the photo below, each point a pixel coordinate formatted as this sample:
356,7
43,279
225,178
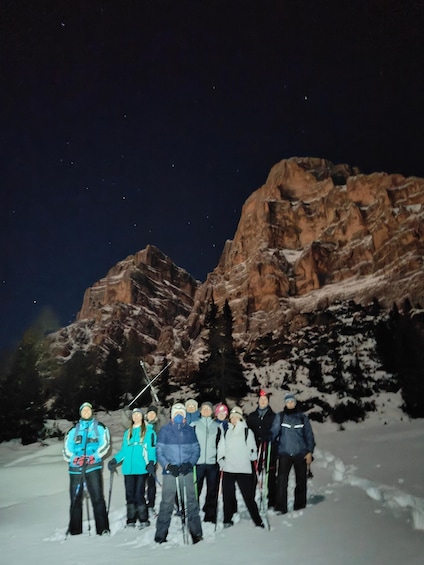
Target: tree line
34,387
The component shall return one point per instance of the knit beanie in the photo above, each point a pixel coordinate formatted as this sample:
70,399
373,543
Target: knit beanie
192,402
221,408
178,408
238,411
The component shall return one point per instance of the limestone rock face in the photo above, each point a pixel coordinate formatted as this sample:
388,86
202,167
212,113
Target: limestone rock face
138,279
145,297
313,229
313,234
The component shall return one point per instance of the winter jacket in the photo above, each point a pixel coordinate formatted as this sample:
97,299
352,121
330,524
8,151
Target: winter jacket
260,422
207,431
136,453
293,432
237,449
192,416
88,441
157,423
177,444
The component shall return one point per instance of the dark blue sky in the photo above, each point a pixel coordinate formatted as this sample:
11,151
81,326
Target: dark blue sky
124,124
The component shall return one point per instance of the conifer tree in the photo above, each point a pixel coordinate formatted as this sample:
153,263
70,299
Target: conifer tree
22,404
221,374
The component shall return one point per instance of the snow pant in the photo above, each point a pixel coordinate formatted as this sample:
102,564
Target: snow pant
270,471
285,463
135,485
185,484
151,490
210,472
94,484
246,485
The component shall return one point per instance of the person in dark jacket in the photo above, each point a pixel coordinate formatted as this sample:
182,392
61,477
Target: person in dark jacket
295,439
85,445
177,452
260,422
154,420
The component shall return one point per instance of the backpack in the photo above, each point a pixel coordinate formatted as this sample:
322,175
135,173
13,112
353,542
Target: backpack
218,435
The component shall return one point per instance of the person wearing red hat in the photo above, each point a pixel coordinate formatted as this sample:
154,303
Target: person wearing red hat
221,415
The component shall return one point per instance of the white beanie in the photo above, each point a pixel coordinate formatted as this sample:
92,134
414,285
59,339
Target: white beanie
178,408
238,411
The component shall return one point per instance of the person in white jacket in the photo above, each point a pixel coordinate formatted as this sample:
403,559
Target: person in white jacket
236,452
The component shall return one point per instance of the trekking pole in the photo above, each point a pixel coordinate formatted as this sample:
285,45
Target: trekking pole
181,508
221,474
196,490
185,509
87,496
265,491
110,491
148,381
149,385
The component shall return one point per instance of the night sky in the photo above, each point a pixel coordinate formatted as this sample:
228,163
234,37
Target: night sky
128,123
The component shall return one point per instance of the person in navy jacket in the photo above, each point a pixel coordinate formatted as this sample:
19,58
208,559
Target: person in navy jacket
295,439
178,451
85,445
138,458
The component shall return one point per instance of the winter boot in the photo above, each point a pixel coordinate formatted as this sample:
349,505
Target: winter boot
143,516
131,515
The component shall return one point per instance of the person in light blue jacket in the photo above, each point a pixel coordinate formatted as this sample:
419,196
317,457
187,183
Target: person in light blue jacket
208,432
138,458
84,447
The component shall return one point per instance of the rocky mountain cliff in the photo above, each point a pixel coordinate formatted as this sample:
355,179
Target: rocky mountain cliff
313,235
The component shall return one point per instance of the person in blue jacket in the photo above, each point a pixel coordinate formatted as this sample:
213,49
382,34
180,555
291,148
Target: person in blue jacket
295,440
138,458
84,447
192,410
178,451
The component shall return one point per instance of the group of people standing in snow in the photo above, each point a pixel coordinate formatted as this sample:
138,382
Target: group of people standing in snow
198,446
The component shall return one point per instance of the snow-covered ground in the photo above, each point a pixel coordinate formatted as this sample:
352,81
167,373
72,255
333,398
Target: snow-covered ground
365,506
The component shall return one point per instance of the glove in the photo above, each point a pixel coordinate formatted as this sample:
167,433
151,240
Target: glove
174,470
112,465
150,468
186,468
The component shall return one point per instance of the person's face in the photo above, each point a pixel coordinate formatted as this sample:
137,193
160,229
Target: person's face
291,404
86,413
151,415
221,415
263,401
206,411
191,408
234,419
137,417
